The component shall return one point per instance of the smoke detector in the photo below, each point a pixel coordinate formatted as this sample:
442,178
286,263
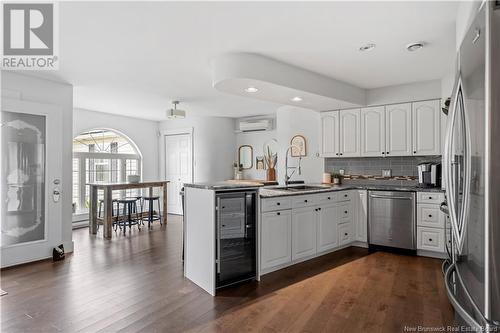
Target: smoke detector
175,113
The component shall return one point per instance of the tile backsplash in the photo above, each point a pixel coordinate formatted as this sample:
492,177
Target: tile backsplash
400,166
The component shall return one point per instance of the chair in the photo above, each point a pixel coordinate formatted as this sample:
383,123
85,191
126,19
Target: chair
129,207
151,214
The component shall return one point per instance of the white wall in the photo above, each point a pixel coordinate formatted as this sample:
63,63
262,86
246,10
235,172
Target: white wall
257,141
51,92
214,144
404,93
291,121
144,133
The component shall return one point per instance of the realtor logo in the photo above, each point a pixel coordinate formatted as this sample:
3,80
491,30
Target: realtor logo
29,36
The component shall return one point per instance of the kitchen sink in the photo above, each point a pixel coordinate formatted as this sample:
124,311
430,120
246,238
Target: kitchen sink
299,188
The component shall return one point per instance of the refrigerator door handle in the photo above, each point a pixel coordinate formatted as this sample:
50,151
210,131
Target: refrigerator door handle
479,327
448,164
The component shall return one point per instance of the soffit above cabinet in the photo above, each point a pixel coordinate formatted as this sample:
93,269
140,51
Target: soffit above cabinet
279,82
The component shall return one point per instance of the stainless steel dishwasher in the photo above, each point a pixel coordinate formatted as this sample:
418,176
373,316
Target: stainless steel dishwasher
391,219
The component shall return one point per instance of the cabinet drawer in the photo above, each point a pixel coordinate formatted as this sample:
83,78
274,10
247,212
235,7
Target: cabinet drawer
430,197
345,233
430,216
430,239
344,212
271,204
326,198
344,196
304,201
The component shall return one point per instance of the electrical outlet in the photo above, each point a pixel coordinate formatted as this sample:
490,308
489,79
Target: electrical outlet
387,173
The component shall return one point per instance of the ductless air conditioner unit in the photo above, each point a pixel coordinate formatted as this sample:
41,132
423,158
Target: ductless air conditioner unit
254,125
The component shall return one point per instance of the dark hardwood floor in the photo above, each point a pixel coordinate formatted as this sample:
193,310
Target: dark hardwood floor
135,283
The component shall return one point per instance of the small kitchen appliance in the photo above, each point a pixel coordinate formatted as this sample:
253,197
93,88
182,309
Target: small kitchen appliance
429,174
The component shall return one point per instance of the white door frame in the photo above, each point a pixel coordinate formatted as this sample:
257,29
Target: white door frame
172,132
41,249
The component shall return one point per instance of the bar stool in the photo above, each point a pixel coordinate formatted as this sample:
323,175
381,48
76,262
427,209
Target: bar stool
151,215
129,207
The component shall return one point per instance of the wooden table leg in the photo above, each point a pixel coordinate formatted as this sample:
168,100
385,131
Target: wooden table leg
165,202
93,211
108,218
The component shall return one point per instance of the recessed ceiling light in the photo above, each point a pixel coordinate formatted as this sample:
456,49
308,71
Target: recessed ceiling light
414,46
251,90
296,99
367,47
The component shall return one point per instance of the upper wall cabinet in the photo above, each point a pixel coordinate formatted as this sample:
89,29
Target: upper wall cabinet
426,128
330,134
398,130
349,133
373,131
392,130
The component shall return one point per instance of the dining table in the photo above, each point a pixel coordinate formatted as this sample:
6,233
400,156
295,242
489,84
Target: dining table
107,187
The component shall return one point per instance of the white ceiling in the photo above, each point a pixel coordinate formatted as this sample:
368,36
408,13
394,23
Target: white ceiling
133,58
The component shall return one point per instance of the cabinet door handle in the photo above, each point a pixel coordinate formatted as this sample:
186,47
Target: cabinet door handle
277,204
319,208
430,215
345,211
383,153
278,213
329,198
430,198
305,200
430,239
414,152
387,153
345,195
345,234
340,154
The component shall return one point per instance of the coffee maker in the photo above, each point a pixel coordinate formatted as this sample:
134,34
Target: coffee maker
429,174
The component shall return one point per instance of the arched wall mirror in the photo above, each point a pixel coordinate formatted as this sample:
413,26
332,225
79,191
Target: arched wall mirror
245,156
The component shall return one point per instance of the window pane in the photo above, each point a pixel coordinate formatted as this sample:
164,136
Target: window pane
76,185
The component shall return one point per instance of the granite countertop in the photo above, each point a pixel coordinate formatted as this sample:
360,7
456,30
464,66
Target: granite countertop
224,185
270,192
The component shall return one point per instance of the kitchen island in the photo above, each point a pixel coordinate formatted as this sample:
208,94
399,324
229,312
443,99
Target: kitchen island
294,224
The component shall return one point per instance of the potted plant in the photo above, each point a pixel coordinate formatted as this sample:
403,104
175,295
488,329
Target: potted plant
337,178
271,160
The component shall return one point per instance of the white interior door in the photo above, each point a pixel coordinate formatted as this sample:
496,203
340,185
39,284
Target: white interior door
179,168
31,168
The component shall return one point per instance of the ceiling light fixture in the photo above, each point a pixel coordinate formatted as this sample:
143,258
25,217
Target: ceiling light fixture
296,99
251,90
414,47
175,113
367,47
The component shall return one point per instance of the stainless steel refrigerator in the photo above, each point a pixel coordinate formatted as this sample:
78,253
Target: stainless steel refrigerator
472,175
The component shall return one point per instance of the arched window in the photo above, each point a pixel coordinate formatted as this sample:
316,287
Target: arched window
102,155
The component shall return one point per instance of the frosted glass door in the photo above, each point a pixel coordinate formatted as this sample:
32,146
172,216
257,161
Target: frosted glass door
23,178
31,181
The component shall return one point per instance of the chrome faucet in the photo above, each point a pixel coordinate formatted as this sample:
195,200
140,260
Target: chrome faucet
297,168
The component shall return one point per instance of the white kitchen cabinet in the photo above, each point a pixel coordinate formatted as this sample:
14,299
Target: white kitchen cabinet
361,215
430,239
350,128
327,237
330,134
398,138
373,131
304,232
426,128
345,233
276,238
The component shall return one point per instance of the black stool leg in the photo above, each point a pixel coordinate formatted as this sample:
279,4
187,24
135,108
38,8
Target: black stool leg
150,213
137,216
